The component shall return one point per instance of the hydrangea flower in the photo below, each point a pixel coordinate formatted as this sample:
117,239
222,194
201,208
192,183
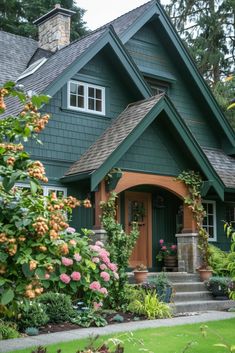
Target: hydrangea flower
76,276
96,260
70,230
66,261
105,276
95,286
65,278
77,257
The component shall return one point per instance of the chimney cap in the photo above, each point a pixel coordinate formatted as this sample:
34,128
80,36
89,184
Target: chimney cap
57,10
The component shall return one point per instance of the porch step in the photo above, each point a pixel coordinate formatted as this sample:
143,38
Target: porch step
202,305
191,296
180,287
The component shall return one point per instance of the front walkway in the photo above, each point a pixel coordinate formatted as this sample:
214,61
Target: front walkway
46,339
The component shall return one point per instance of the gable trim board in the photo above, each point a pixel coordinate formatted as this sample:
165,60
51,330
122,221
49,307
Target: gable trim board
184,54
161,103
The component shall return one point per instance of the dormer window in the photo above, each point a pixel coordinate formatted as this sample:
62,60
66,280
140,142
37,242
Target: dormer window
86,97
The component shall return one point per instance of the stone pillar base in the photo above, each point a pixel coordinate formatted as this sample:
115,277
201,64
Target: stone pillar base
188,252
99,234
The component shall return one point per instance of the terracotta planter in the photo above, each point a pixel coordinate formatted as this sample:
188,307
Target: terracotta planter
140,276
204,274
170,261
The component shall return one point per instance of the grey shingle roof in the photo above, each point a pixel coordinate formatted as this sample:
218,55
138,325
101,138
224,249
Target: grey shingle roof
224,165
53,68
113,136
24,50
59,62
15,53
122,23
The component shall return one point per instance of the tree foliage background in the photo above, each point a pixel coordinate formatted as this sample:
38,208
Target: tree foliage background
17,16
207,28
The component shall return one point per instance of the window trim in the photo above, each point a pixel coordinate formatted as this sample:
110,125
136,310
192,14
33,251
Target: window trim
86,86
213,203
45,188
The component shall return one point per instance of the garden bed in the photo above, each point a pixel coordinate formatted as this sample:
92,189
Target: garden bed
110,318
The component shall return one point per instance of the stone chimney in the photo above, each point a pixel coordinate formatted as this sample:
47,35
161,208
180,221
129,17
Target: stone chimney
54,28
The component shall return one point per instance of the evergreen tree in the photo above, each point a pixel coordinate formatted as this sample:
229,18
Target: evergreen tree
17,16
207,27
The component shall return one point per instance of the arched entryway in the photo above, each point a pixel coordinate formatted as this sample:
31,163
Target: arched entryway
161,197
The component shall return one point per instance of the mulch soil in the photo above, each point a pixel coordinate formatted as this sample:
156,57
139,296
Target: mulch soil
67,326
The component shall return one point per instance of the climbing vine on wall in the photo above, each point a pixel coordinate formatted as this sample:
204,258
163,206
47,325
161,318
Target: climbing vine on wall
193,182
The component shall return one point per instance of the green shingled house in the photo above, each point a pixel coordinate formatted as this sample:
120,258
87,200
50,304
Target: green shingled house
128,96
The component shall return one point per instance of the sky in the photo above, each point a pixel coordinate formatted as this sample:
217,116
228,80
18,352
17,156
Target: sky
100,12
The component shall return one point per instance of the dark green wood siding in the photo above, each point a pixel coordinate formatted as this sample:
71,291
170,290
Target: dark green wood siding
152,54
159,150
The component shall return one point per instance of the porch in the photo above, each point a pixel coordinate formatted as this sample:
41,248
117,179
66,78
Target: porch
156,203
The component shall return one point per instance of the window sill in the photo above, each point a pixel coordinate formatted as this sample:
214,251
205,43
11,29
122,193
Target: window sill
85,114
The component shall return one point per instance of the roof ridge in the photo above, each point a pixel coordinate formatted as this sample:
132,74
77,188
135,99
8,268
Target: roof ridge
18,35
126,13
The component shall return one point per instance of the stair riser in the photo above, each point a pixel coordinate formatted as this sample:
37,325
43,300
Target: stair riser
204,306
189,287
190,296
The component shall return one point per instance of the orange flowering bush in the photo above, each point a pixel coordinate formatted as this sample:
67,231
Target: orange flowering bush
34,241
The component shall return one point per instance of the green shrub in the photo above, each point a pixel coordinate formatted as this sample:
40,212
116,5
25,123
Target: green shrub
32,314
219,261
150,306
8,330
58,307
120,246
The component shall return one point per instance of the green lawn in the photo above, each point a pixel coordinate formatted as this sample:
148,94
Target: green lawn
168,339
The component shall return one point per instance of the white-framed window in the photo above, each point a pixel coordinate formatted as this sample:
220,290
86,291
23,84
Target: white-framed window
230,213
209,222
59,191
86,97
47,190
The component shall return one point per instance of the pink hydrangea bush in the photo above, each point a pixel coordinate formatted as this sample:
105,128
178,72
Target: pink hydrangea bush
85,271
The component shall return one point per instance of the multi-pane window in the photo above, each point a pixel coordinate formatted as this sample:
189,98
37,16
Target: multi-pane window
230,213
60,192
47,190
86,97
209,222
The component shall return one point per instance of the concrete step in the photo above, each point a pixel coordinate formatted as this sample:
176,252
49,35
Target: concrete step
189,287
182,277
201,305
192,296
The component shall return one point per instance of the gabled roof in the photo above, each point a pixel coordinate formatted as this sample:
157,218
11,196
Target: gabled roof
61,66
125,130
108,142
15,53
153,9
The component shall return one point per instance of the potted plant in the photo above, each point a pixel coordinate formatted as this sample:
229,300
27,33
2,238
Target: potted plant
112,178
140,273
161,285
219,287
205,270
168,254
